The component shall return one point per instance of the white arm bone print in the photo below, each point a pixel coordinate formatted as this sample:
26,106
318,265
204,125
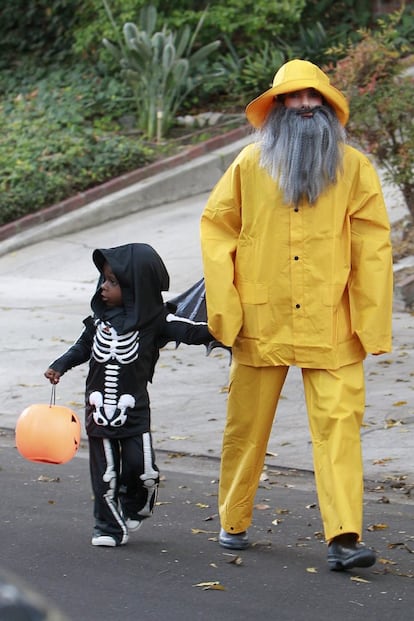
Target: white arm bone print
109,349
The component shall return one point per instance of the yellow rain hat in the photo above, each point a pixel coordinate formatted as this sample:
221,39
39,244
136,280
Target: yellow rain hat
296,75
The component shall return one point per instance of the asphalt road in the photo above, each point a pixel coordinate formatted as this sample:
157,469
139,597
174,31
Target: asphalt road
173,569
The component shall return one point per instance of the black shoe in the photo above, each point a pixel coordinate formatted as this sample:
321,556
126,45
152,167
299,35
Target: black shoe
345,554
238,541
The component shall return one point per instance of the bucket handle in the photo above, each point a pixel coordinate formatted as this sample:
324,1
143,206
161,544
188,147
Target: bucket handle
53,396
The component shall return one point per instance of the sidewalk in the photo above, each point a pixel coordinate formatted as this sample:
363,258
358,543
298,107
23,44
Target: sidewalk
46,282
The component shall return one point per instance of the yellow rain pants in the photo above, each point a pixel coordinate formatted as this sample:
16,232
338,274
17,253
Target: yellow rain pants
335,402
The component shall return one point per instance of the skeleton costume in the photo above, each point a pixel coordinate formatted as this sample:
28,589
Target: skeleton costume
122,346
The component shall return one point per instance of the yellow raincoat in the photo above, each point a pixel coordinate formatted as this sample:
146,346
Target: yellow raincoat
308,286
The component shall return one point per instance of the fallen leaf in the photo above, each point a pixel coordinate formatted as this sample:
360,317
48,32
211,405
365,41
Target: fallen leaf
179,437
386,561
391,422
210,586
401,544
263,543
398,403
44,479
380,526
201,505
381,462
312,570
200,531
262,507
358,579
383,500
236,560
28,385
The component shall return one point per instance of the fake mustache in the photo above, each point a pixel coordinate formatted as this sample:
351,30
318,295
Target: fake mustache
308,110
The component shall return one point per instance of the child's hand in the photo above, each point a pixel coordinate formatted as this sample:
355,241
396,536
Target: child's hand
53,376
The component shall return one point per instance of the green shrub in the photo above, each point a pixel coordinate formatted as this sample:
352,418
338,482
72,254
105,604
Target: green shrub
248,23
381,95
340,19
37,27
259,68
61,135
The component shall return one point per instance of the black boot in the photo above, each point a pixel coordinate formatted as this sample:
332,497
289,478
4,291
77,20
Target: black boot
344,553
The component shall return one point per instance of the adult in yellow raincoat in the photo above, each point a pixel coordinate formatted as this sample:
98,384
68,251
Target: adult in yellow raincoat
298,271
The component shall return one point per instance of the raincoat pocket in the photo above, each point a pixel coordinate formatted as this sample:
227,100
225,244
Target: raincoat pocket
255,302
332,295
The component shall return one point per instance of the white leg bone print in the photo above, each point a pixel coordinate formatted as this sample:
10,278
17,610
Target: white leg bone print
149,477
110,348
110,477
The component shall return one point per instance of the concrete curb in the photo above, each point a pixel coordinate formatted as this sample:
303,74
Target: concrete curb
190,173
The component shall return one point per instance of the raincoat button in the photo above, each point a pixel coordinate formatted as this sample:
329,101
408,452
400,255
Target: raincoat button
297,305
296,258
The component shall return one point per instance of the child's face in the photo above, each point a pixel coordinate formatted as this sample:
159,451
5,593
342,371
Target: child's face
110,290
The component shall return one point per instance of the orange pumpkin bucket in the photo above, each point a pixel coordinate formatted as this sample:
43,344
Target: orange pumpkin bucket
48,433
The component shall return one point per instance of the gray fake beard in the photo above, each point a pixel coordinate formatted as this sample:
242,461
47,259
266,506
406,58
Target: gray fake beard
302,154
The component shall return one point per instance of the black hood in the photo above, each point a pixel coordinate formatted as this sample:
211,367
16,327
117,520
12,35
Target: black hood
142,276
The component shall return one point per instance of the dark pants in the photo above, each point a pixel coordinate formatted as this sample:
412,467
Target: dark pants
124,481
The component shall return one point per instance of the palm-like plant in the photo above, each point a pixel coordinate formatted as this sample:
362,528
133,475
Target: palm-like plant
162,67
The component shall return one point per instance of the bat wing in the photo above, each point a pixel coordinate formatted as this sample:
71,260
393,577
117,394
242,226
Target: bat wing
191,304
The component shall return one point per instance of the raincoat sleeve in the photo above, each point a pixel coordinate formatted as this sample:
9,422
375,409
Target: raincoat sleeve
220,228
371,282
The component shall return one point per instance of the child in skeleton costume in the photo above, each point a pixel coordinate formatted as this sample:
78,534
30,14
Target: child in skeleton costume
121,342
